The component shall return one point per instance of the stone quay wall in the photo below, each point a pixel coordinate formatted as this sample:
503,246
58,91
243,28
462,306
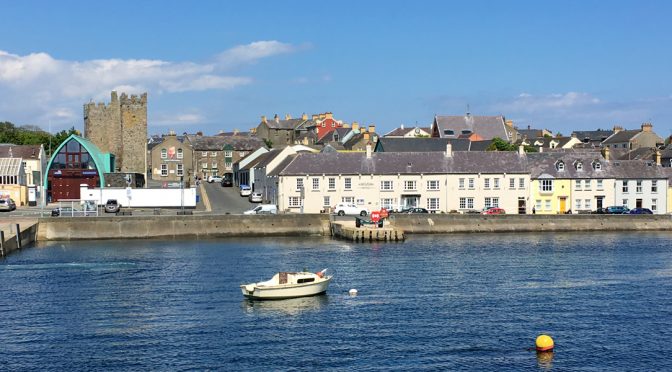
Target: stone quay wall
217,226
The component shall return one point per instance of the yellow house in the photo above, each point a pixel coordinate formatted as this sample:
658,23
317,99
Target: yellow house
550,195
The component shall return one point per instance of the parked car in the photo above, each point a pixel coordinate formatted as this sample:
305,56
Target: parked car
7,205
245,190
263,209
414,210
256,197
494,210
599,211
227,180
112,206
214,178
342,209
617,209
641,211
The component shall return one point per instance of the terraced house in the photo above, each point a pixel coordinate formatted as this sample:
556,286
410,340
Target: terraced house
439,181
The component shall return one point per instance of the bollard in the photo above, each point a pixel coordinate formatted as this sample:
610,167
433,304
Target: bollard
2,243
18,236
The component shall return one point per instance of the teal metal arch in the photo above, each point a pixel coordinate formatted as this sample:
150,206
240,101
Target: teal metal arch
102,166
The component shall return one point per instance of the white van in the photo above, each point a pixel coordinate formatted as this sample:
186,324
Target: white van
263,209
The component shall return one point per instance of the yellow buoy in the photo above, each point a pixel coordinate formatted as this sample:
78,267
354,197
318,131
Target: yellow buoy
544,343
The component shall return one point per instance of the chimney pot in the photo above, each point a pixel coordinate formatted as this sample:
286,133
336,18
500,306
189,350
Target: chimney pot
449,149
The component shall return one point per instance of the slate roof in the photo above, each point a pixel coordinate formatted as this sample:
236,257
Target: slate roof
217,143
546,141
530,133
622,136
488,127
643,169
592,135
267,157
410,144
544,163
382,163
284,124
281,166
642,153
329,136
400,132
19,151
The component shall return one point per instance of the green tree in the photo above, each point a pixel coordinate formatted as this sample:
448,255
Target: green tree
268,143
499,144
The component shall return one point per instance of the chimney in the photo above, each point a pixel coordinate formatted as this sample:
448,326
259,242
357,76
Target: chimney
509,123
402,127
521,150
528,127
321,116
449,149
368,150
617,128
315,117
646,127
328,115
235,131
346,125
541,149
657,158
366,136
372,128
304,116
263,119
288,116
355,125
605,153
276,118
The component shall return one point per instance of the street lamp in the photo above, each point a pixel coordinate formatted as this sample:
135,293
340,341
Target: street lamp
182,194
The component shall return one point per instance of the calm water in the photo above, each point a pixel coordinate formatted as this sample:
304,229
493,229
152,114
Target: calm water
451,302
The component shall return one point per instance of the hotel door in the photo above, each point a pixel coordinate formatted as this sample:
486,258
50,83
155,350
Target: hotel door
563,204
410,201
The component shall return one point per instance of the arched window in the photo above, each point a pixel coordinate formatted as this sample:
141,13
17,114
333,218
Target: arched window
180,155
164,154
579,166
560,166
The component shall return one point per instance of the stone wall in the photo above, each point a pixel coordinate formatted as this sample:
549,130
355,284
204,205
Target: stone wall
119,128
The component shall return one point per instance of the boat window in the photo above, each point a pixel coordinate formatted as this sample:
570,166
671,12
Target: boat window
305,280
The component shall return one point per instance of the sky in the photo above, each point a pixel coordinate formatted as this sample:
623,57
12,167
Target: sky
214,66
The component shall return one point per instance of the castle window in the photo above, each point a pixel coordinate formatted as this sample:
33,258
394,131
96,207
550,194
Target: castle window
164,154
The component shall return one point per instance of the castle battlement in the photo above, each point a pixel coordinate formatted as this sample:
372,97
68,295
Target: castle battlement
133,99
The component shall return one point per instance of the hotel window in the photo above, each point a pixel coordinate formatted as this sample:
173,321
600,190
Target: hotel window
463,203
471,184
496,183
386,186
409,185
654,186
387,203
548,204
204,165
294,202
577,205
214,165
538,205
495,202
625,202
587,184
326,201
624,188
512,183
227,164
180,154
164,154
180,170
332,183
654,205
299,183
470,203
488,203
204,154
586,204
491,202
228,153
546,185
347,183
577,185
241,154
433,204
521,183
316,183
460,183
164,170
213,154
486,183
600,185
433,185
348,199
639,187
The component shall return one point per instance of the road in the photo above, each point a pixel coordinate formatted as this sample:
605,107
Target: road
226,199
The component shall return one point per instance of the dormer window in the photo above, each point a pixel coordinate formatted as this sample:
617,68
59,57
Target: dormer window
448,132
560,166
538,143
597,165
579,166
466,131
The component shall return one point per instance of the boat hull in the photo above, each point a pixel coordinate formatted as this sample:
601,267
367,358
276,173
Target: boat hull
281,292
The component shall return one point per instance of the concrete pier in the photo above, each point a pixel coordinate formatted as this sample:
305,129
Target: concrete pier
10,241
366,233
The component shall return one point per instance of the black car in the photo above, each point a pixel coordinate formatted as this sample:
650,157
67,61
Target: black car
227,180
599,211
414,210
641,211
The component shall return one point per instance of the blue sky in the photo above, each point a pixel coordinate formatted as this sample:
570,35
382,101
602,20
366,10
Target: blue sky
215,65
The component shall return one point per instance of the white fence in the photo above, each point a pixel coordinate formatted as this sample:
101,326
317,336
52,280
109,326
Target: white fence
142,198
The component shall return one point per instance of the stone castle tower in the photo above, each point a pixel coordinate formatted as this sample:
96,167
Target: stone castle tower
120,128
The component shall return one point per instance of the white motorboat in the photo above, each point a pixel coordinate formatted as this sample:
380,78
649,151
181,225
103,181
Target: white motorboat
288,285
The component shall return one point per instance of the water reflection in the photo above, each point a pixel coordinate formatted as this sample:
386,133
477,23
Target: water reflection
545,359
292,306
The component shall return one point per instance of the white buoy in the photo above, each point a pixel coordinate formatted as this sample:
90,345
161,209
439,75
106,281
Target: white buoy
353,292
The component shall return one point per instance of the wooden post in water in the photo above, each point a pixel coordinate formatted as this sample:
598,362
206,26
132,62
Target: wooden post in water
2,243
18,236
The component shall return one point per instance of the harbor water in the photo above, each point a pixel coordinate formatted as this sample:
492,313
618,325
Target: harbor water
439,302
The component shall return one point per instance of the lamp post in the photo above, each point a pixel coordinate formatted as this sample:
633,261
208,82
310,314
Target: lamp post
182,194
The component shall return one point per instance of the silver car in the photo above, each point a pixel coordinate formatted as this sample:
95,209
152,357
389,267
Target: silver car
256,197
7,205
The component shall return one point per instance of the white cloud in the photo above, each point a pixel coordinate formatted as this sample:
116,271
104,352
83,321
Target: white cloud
38,87
529,103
